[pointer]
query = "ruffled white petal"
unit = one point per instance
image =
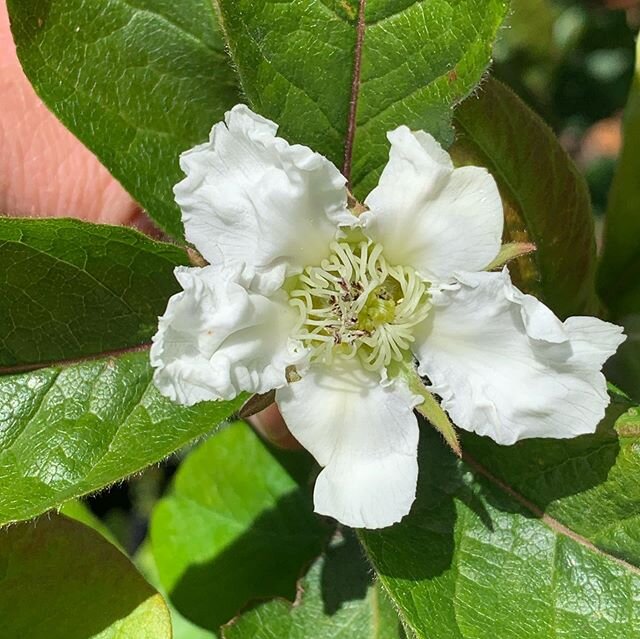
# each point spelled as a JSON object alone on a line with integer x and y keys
{"x": 505, "y": 366}
{"x": 217, "y": 339}
{"x": 250, "y": 197}
{"x": 365, "y": 435}
{"x": 430, "y": 216}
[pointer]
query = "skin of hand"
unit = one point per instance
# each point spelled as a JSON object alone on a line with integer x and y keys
{"x": 46, "y": 172}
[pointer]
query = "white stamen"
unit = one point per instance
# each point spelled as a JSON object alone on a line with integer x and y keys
{"x": 355, "y": 303}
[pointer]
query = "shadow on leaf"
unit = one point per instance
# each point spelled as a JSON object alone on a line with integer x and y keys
{"x": 264, "y": 562}
{"x": 540, "y": 470}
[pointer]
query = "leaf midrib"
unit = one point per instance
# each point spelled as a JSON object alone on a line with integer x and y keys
{"x": 65, "y": 363}
{"x": 556, "y": 526}
{"x": 355, "y": 92}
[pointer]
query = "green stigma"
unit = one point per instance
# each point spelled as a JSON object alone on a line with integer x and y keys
{"x": 380, "y": 308}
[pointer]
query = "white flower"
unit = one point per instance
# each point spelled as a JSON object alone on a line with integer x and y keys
{"x": 336, "y": 310}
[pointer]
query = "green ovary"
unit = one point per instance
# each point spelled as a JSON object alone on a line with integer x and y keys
{"x": 356, "y": 304}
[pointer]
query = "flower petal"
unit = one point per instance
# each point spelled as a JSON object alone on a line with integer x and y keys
{"x": 364, "y": 433}
{"x": 430, "y": 216}
{"x": 507, "y": 367}
{"x": 216, "y": 339}
{"x": 251, "y": 197}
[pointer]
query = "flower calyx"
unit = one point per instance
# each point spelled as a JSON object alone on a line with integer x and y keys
{"x": 429, "y": 408}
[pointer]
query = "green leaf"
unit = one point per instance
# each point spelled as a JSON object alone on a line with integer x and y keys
{"x": 236, "y": 527}
{"x": 67, "y": 431}
{"x": 138, "y": 81}
{"x": 182, "y": 628}
{"x": 619, "y": 276}
{"x": 143, "y": 559}
{"x": 545, "y": 197}
{"x": 338, "y": 75}
{"x": 545, "y": 544}
{"x": 589, "y": 484}
{"x": 335, "y": 600}
{"x": 60, "y": 580}
{"x": 78, "y": 510}
{"x": 71, "y": 289}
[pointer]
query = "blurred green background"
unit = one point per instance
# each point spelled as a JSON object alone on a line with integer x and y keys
{"x": 573, "y": 63}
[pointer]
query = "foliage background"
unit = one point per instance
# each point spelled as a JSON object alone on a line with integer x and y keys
{"x": 509, "y": 544}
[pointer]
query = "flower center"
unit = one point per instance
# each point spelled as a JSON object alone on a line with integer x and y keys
{"x": 355, "y": 303}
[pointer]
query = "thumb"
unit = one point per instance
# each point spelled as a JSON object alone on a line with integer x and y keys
{"x": 44, "y": 170}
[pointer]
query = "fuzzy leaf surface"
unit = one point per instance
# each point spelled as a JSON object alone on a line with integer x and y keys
{"x": 545, "y": 543}
{"x": 337, "y": 75}
{"x": 71, "y": 289}
{"x": 68, "y": 431}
